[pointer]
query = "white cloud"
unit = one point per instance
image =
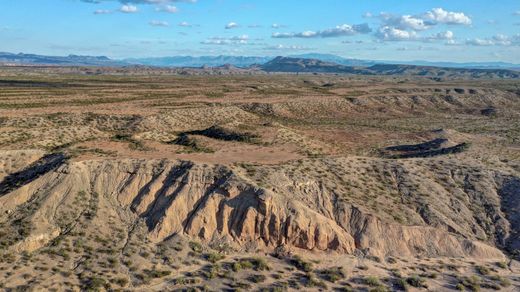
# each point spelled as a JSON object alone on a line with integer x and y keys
{"x": 102, "y": 11}
{"x": 185, "y": 24}
{"x": 439, "y": 15}
{"x": 159, "y": 23}
{"x": 277, "y": 26}
{"x": 282, "y": 35}
{"x": 243, "y": 37}
{"x": 497, "y": 40}
{"x": 516, "y": 13}
{"x": 231, "y": 25}
{"x": 389, "y": 33}
{"x": 406, "y": 27}
{"x": 286, "y": 48}
{"x": 447, "y": 35}
{"x": 338, "y": 31}
{"x": 403, "y": 22}
{"x": 479, "y": 42}
{"x": 167, "y": 8}
{"x": 128, "y": 9}
{"x": 236, "y": 40}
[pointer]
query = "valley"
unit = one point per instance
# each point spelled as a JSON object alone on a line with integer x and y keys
{"x": 150, "y": 179}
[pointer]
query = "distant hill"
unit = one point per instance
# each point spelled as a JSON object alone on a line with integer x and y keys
{"x": 335, "y": 59}
{"x": 301, "y": 65}
{"x": 70, "y": 60}
{"x": 469, "y": 65}
{"x": 306, "y": 63}
{"x": 190, "y": 61}
{"x": 440, "y": 72}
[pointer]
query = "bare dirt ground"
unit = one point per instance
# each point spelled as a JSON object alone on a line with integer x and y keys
{"x": 277, "y": 182}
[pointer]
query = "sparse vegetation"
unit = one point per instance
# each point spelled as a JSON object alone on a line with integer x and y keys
{"x": 221, "y": 183}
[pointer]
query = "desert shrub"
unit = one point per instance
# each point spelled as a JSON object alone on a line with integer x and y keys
{"x": 416, "y": 281}
{"x": 482, "y": 270}
{"x": 471, "y": 283}
{"x": 258, "y": 264}
{"x": 333, "y": 274}
{"x": 94, "y": 284}
{"x": 214, "y": 257}
{"x": 185, "y": 281}
{"x": 301, "y": 264}
{"x": 257, "y": 278}
{"x": 312, "y": 281}
{"x": 504, "y": 282}
{"x": 401, "y": 284}
{"x": 371, "y": 281}
{"x": 195, "y": 246}
{"x": 460, "y": 287}
{"x": 121, "y": 281}
{"x": 502, "y": 265}
{"x": 212, "y": 272}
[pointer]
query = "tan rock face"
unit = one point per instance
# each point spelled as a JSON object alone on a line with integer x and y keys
{"x": 213, "y": 202}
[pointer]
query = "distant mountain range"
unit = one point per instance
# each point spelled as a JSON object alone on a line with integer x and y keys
{"x": 306, "y": 63}
{"x": 70, "y": 60}
{"x": 215, "y": 61}
{"x": 302, "y": 65}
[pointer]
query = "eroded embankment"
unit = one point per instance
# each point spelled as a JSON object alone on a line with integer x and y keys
{"x": 216, "y": 203}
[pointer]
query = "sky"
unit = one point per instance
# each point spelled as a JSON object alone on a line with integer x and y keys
{"x": 399, "y": 30}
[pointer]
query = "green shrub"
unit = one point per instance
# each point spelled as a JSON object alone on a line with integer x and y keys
{"x": 214, "y": 257}
{"x": 371, "y": 281}
{"x": 195, "y": 246}
{"x": 301, "y": 264}
{"x": 333, "y": 274}
{"x": 401, "y": 284}
{"x": 416, "y": 281}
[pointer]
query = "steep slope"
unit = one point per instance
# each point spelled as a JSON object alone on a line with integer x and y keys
{"x": 215, "y": 203}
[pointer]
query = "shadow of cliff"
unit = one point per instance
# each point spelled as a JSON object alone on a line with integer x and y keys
{"x": 32, "y": 172}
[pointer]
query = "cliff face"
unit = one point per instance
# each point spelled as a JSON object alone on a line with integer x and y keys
{"x": 217, "y": 203}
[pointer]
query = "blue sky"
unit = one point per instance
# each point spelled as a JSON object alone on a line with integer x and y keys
{"x": 460, "y": 31}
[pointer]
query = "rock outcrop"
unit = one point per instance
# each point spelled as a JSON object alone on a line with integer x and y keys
{"x": 217, "y": 203}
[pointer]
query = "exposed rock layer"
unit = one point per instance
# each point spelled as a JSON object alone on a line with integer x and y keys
{"x": 215, "y": 203}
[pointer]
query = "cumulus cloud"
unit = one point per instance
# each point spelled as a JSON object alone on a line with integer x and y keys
{"x": 439, "y": 15}
{"x": 231, "y": 25}
{"x": 167, "y": 8}
{"x": 406, "y": 27}
{"x": 497, "y": 40}
{"x": 403, "y": 22}
{"x": 389, "y": 33}
{"x": 447, "y": 35}
{"x": 338, "y": 31}
{"x": 159, "y": 23}
{"x": 479, "y": 42}
{"x": 128, "y": 9}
